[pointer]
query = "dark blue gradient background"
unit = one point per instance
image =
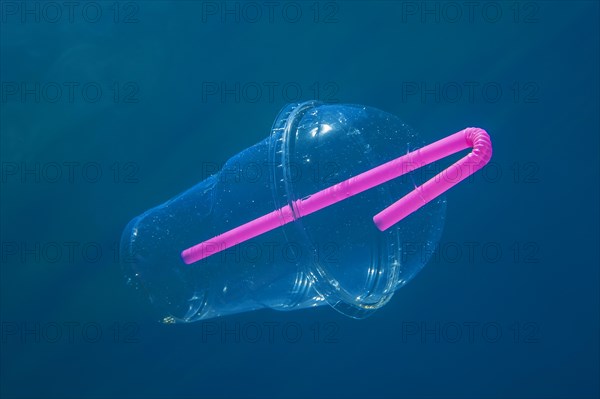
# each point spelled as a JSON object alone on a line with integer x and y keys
{"x": 542, "y": 211}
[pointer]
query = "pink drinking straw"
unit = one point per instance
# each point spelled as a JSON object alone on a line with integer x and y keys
{"x": 471, "y": 137}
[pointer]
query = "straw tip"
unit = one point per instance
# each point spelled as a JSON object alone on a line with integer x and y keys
{"x": 187, "y": 257}
{"x": 380, "y": 223}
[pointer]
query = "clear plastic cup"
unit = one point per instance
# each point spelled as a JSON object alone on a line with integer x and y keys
{"x": 336, "y": 255}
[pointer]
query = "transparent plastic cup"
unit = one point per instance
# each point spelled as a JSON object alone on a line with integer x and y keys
{"x": 336, "y": 255}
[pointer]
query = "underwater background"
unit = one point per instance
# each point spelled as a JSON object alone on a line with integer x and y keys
{"x": 110, "y": 108}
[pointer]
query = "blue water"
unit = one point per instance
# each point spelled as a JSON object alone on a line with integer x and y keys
{"x": 116, "y": 107}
